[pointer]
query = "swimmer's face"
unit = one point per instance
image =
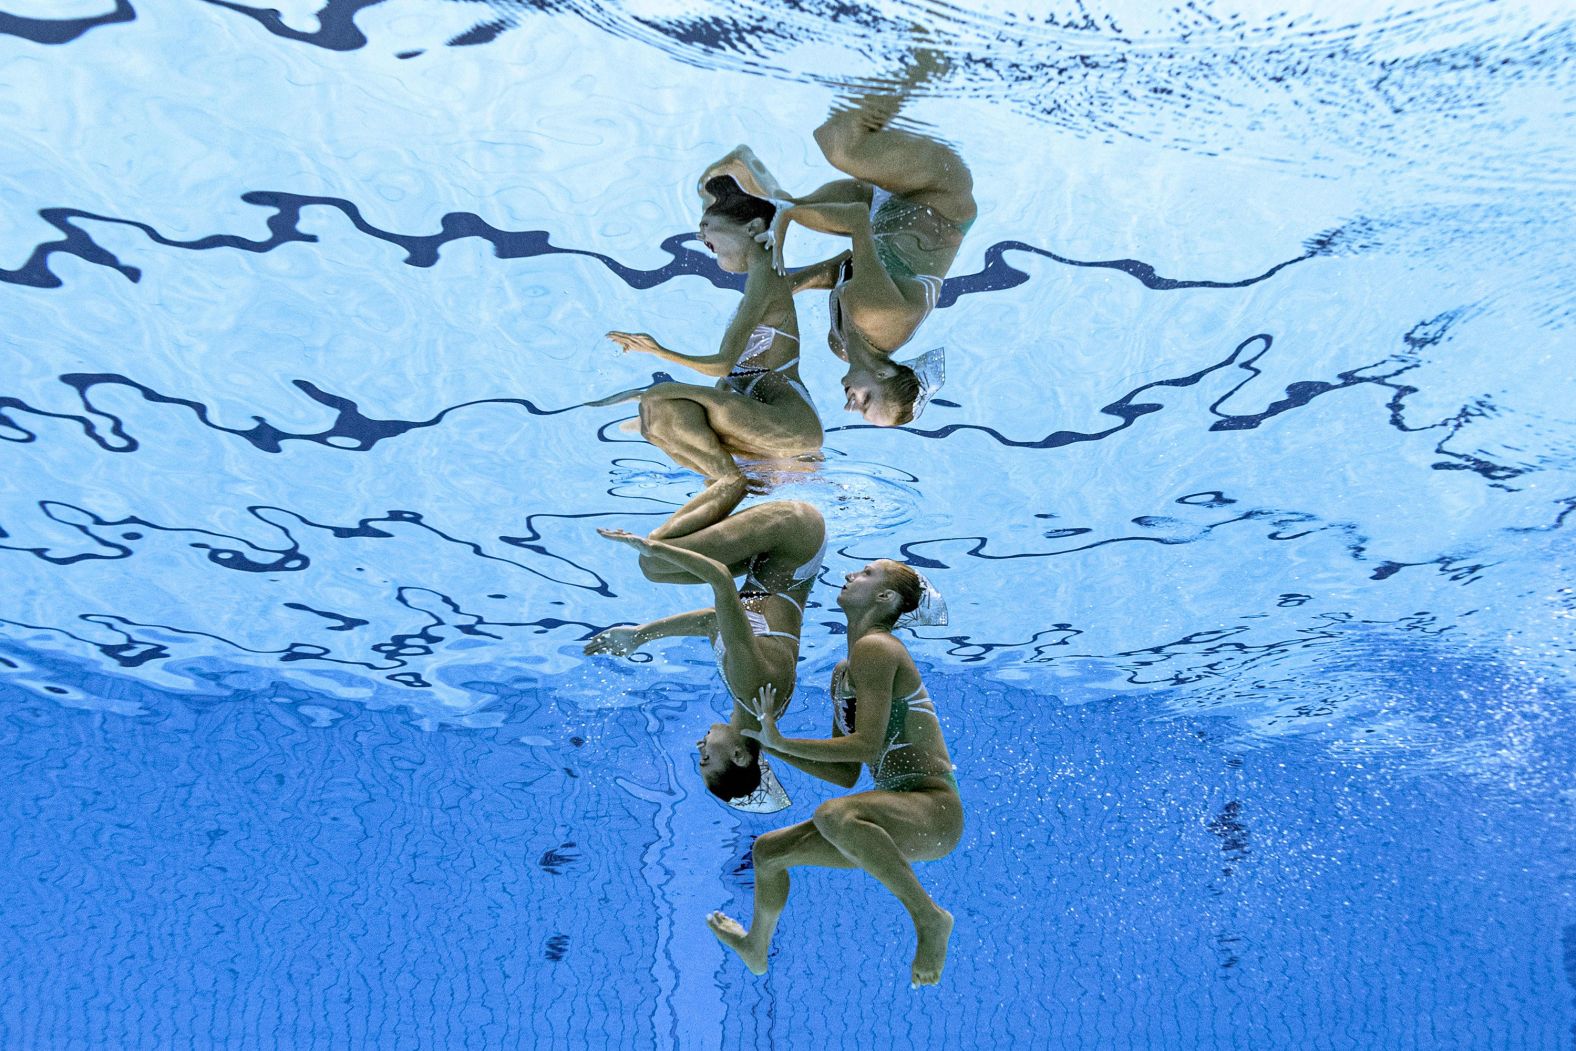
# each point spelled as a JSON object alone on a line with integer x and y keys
{"x": 866, "y": 393}
{"x": 867, "y": 587}
{"x": 723, "y": 746}
{"x": 732, "y": 243}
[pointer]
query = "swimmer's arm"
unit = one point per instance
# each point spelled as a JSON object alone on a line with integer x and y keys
{"x": 844, "y": 219}
{"x": 842, "y": 774}
{"x": 697, "y": 622}
{"x": 874, "y": 669}
{"x": 624, "y": 639}
{"x": 763, "y": 289}
{"x": 822, "y": 275}
{"x": 641, "y": 343}
{"x": 728, "y": 615}
{"x": 847, "y": 220}
{"x": 760, "y": 289}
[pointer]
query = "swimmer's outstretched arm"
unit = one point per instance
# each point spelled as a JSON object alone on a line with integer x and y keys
{"x": 761, "y": 287}
{"x": 732, "y": 623}
{"x": 838, "y": 191}
{"x": 625, "y": 639}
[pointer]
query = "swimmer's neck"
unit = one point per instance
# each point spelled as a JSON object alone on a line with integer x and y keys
{"x": 866, "y": 623}
{"x": 758, "y": 259}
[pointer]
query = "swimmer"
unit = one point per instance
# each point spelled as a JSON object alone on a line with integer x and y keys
{"x": 758, "y": 409}
{"x": 883, "y": 718}
{"x": 906, "y": 206}
{"x": 754, "y": 629}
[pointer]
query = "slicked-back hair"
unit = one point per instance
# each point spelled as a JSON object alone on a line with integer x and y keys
{"x": 733, "y": 780}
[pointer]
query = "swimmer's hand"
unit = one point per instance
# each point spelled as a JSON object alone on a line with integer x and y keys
{"x": 635, "y": 342}
{"x": 764, "y": 708}
{"x": 620, "y": 641}
{"x": 773, "y": 236}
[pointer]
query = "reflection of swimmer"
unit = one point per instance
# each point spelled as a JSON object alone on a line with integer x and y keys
{"x": 912, "y": 814}
{"x": 906, "y": 208}
{"x": 759, "y": 409}
{"x": 778, "y": 548}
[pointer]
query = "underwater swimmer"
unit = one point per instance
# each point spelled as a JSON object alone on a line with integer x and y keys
{"x": 758, "y": 409}
{"x": 777, "y": 547}
{"x": 883, "y": 718}
{"x": 906, "y": 206}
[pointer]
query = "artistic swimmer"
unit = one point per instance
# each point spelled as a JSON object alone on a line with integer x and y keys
{"x": 906, "y": 206}
{"x": 754, "y": 629}
{"x": 758, "y": 409}
{"x": 883, "y": 718}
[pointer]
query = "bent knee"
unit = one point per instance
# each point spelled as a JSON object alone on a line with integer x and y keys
{"x": 659, "y": 418}
{"x": 770, "y": 848}
{"x": 839, "y": 136}
{"x": 832, "y": 818}
{"x": 805, "y": 516}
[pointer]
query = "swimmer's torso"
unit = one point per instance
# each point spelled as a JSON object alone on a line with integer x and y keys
{"x": 913, "y": 744}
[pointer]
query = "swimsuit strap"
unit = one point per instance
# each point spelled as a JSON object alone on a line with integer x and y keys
{"x": 878, "y": 197}
{"x": 759, "y": 342}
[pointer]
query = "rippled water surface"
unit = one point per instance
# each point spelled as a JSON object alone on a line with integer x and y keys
{"x": 1251, "y": 491}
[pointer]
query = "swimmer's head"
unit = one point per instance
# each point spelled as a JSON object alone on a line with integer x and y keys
{"x": 890, "y": 588}
{"x": 729, "y": 762}
{"x": 884, "y": 395}
{"x": 729, "y": 225}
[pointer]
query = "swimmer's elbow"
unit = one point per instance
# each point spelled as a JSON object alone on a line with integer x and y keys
{"x": 865, "y": 754}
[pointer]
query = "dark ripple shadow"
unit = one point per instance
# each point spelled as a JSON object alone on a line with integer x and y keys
{"x": 245, "y": 556}
{"x": 1128, "y": 409}
{"x": 337, "y": 29}
{"x": 422, "y": 250}
{"x": 351, "y": 431}
{"x": 997, "y": 274}
{"x": 62, "y": 30}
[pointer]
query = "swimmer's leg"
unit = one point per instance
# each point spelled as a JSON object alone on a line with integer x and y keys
{"x": 680, "y": 427}
{"x": 882, "y": 832}
{"x": 788, "y": 533}
{"x": 859, "y": 142}
{"x": 774, "y": 854}
{"x": 633, "y": 394}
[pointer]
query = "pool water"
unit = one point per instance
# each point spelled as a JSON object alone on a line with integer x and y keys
{"x": 1250, "y": 491}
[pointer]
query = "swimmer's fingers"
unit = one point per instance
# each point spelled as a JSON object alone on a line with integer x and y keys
{"x": 618, "y": 642}
{"x": 749, "y": 706}
{"x": 765, "y": 709}
{"x": 777, "y": 234}
{"x": 633, "y": 342}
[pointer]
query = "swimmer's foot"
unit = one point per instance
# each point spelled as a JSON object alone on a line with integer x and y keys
{"x": 931, "y": 955}
{"x": 735, "y": 937}
{"x": 617, "y": 399}
{"x": 624, "y": 536}
{"x": 746, "y": 169}
{"x": 924, "y": 65}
